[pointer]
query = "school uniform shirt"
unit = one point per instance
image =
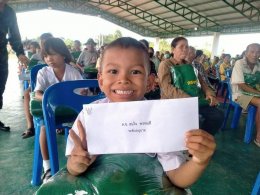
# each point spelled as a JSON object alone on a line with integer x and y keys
{"x": 237, "y": 76}
{"x": 169, "y": 161}
{"x": 46, "y": 77}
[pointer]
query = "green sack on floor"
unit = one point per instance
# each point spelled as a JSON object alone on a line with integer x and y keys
{"x": 118, "y": 174}
{"x": 184, "y": 78}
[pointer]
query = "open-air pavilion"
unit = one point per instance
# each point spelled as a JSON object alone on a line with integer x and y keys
{"x": 164, "y": 18}
{"x": 235, "y": 165}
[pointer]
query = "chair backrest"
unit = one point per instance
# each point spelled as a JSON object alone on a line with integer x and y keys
{"x": 63, "y": 95}
{"x": 33, "y": 74}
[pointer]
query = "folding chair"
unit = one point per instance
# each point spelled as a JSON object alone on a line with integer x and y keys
{"x": 37, "y": 157}
{"x": 63, "y": 95}
{"x": 250, "y": 121}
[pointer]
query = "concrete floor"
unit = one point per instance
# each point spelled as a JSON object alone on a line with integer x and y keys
{"x": 231, "y": 172}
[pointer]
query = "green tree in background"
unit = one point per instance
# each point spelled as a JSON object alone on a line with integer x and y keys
{"x": 163, "y": 45}
{"x": 69, "y": 43}
{"x": 111, "y": 37}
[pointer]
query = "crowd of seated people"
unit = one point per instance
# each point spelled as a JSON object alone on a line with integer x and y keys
{"x": 192, "y": 65}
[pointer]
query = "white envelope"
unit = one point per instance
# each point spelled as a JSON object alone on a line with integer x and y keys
{"x": 151, "y": 126}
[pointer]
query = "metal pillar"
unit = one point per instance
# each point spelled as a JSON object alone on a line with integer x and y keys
{"x": 215, "y": 44}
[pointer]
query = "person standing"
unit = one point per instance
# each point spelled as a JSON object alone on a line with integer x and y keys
{"x": 9, "y": 26}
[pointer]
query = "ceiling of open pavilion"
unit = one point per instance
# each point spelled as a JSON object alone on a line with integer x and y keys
{"x": 162, "y": 18}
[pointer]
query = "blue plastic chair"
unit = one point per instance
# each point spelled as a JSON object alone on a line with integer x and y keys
{"x": 250, "y": 124}
{"x": 256, "y": 188}
{"x": 237, "y": 109}
{"x": 63, "y": 94}
{"x": 250, "y": 121}
{"x": 37, "y": 157}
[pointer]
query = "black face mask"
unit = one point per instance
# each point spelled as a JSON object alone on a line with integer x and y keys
{"x": 150, "y": 55}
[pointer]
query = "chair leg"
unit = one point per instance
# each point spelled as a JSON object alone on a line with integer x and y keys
{"x": 67, "y": 129}
{"x": 250, "y": 121}
{"x": 226, "y": 98}
{"x": 52, "y": 148}
{"x": 236, "y": 117}
{"x": 256, "y": 188}
{"x": 37, "y": 159}
{"x": 226, "y": 117}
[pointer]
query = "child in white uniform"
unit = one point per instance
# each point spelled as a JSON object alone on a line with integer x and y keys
{"x": 57, "y": 56}
{"x": 124, "y": 76}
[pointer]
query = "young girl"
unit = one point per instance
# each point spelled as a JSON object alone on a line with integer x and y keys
{"x": 57, "y": 56}
{"x": 124, "y": 76}
{"x": 178, "y": 80}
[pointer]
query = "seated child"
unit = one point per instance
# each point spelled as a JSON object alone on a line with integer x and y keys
{"x": 124, "y": 76}
{"x": 57, "y": 56}
{"x": 35, "y": 59}
{"x": 177, "y": 79}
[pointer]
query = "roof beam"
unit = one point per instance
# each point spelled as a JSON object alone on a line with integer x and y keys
{"x": 82, "y": 7}
{"x": 153, "y": 19}
{"x": 187, "y": 13}
{"x": 245, "y": 8}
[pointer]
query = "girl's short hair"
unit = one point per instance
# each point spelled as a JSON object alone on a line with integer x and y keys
{"x": 58, "y": 46}
{"x": 176, "y": 40}
{"x": 125, "y": 43}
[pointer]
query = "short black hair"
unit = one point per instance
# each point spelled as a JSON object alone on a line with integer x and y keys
{"x": 45, "y": 36}
{"x": 125, "y": 43}
{"x": 35, "y": 44}
{"x": 199, "y": 53}
{"x": 56, "y": 45}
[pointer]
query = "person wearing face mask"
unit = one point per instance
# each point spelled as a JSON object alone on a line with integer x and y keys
{"x": 9, "y": 26}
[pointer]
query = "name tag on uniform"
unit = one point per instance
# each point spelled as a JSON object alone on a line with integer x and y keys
{"x": 151, "y": 126}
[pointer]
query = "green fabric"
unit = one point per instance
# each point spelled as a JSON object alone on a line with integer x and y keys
{"x": 62, "y": 114}
{"x": 75, "y": 55}
{"x": 184, "y": 78}
{"x": 91, "y": 69}
{"x": 32, "y": 63}
{"x": 253, "y": 80}
{"x": 117, "y": 174}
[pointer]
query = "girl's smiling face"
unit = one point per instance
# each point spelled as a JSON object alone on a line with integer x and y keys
{"x": 124, "y": 74}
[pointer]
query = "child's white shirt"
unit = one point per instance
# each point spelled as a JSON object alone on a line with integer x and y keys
{"x": 46, "y": 77}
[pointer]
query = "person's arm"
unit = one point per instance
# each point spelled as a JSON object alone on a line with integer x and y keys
{"x": 165, "y": 83}
{"x": 39, "y": 95}
{"x": 247, "y": 88}
{"x": 15, "y": 39}
{"x": 201, "y": 145}
{"x": 210, "y": 95}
